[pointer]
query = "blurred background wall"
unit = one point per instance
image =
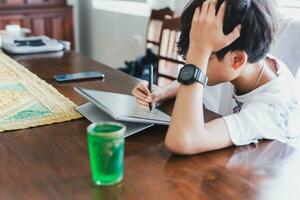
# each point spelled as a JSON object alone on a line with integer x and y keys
{"x": 112, "y": 31}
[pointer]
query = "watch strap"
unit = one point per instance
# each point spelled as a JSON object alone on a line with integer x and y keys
{"x": 201, "y": 77}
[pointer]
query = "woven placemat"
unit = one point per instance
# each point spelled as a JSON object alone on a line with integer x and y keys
{"x": 27, "y": 101}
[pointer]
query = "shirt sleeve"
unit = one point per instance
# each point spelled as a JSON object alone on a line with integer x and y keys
{"x": 257, "y": 121}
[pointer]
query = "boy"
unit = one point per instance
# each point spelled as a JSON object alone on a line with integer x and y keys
{"x": 228, "y": 41}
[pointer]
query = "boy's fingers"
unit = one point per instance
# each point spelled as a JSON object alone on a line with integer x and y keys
{"x": 155, "y": 96}
{"x": 212, "y": 9}
{"x": 143, "y": 91}
{"x": 136, "y": 92}
{"x": 143, "y": 84}
{"x": 143, "y": 87}
{"x": 139, "y": 95}
{"x": 221, "y": 12}
{"x": 204, "y": 9}
{"x": 143, "y": 103}
{"x": 196, "y": 14}
{"x": 149, "y": 99}
{"x": 231, "y": 37}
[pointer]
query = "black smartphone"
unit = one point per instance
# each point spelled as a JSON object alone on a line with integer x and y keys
{"x": 79, "y": 76}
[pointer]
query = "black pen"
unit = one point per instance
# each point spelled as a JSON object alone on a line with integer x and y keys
{"x": 150, "y": 83}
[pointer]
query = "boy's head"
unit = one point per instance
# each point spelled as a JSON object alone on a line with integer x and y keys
{"x": 259, "y": 25}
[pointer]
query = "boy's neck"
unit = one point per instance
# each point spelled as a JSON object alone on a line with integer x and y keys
{"x": 245, "y": 83}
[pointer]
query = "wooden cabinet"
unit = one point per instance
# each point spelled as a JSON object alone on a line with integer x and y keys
{"x": 45, "y": 2}
{"x": 9, "y": 3}
{"x": 28, "y": 3}
{"x": 53, "y": 18}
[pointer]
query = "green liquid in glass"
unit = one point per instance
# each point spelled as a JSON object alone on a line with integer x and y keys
{"x": 106, "y": 153}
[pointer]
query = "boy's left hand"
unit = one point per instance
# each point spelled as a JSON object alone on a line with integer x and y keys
{"x": 207, "y": 30}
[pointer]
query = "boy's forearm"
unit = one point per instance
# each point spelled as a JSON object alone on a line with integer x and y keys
{"x": 170, "y": 90}
{"x": 187, "y": 124}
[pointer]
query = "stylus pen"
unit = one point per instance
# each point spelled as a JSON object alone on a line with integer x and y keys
{"x": 150, "y": 83}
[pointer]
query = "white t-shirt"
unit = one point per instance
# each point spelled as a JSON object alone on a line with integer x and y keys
{"x": 271, "y": 111}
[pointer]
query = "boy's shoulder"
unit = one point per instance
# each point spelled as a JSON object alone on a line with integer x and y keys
{"x": 269, "y": 112}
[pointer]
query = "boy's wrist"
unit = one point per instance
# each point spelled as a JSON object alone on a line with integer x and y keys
{"x": 163, "y": 94}
{"x": 168, "y": 92}
{"x": 199, "y": 58}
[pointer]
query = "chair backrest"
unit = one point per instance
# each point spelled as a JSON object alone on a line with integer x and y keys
{"x": 169, "y": 62}
{"x": 155, "y": 25}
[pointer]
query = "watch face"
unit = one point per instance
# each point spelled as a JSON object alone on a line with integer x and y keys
{"x": 187, "y": 73}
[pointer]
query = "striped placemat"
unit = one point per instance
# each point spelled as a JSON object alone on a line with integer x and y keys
{"x": 27, "y": 101}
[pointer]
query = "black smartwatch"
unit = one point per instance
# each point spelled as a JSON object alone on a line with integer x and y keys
{"x": 189, "y": 74}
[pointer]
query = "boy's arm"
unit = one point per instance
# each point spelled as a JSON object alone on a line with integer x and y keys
{"x": 170, "y": 91}
{"x": 188, "y": 133}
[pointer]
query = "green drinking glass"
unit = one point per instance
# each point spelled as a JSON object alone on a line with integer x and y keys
{"x": 106, "y": 150}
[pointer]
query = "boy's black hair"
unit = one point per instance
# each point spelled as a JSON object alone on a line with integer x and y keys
{"x": 258, "y": 20}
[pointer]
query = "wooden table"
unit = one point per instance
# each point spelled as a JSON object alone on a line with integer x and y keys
{"x": 51, "y": 162}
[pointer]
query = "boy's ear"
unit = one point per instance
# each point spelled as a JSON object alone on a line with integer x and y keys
{"x": 238, "y": 59}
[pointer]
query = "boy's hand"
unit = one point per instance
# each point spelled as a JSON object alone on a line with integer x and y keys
{"x": 143, "y": 95}
{"x": 207, "y": 30}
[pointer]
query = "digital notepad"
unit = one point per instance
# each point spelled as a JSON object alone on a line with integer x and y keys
{"x": 124, "y": 107}
{"x": 95, "y": 114}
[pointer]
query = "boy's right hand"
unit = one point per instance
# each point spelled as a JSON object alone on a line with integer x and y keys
{"x": 143, "y": 95}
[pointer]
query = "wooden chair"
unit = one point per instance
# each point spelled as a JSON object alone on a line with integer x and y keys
{"x": 169, "y": 62}
{"x": 152, "y": 37}
{"x": 154, "y": 27}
